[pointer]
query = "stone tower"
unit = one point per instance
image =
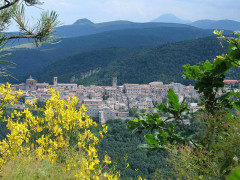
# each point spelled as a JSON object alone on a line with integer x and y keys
{"x": 102, "y": 119}
{"x": 114, "y": 81}
{"x": 31, "y": 84}
{"x": 55, "y": 81}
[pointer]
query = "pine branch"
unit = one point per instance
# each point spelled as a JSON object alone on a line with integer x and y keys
{"x": 9, "y": 4}
{"x": 24, "y": 36}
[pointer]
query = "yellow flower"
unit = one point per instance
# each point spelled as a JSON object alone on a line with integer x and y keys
{"x": 57, "y": 130}
{"x": 101, "y": 134}
{"x": 91, "y": 166}
{"x": 107, "y": 159}
{"x": 60, "y": 125}
{"x": 105, "y": 129}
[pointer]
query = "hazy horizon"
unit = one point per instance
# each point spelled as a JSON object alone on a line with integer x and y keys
{"x": 137, "y": 10}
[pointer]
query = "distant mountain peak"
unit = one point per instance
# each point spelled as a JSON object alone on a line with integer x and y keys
{"x": 217, "y": 24}
{"x": 84, "y": 21}
{"x": 170, "y": 18}
{"x": 168, "y": 15}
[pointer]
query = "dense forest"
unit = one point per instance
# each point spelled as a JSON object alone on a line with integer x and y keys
{"x": 119, "y": 142}
{"x": 30, "y": 59}
{"x": 143, "y": 65}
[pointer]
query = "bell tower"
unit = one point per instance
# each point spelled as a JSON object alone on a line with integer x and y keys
{"x": 114, "y": 82}
{"x": 55, "y": 81}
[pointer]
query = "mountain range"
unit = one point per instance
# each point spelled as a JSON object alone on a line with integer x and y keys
{"x": 217, "y": 24}
{"x": 30, "y": 59}
{"x": 102, "y": 46}
{"x": 83, "y": 27}
{"x": 158, "y": 63}
{"x": 204, "y": 24}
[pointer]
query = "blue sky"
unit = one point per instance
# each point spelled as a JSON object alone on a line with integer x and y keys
{"x": 139, "y": 10}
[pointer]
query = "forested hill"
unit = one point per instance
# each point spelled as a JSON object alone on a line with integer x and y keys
{"x": 217, "y": 24}
{"x": 30, "y": 60}
{"x": 160, "y": 63}
{"x": 81, "y": 63}
{"x": 83, "y": 27}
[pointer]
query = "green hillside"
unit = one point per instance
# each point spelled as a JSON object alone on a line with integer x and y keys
{"x": 29, "y": 59}
{"x": 160, "y": 63}
{"x": 81, "y": 63}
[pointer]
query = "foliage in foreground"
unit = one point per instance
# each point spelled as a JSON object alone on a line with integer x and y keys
{"x": 210, "y": 149}
{"x": 60, "y": 135}
{"x": 235, "y": 174}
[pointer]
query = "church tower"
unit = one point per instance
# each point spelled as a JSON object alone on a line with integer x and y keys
{"x": 114, "y": 81}
{"x": 55, "y": 81}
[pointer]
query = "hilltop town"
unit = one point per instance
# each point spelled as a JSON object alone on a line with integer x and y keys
{"x": 109, "y": 102}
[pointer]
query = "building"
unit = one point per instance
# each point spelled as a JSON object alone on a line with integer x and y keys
{"x": 110, "y": 102}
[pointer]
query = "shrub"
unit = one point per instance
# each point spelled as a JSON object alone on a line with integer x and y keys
{"x": 60, "y": 134}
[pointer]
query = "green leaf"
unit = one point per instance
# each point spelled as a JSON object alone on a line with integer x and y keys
{"x": 162, "y": 107}
{"x": 234, "y": 175}
{"x": 207, "y": 66}
{"x": 172, "y": 96}
{"x": 192, "y": 72}
{"x": 171, "y": 127}
{"x": 237, "y": 33}
{"x": 160, "y": 122}
{"x": 173, "y": 99}
{"x": 150, "y": 139}
{"x": 161, "y": 137}
{"x": 237, "y": 105}
{"x": 150, "y": 119}
{"x": 133, "y": 124}
{"x": 217, "y": 32}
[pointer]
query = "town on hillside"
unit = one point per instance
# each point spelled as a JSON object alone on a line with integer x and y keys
{"x": 111, "y": 102}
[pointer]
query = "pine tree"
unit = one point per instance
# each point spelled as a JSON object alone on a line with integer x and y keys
{"x": 14, "y": 11}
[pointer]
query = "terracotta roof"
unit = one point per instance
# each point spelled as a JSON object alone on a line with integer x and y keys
{"x": 230, "y": 81}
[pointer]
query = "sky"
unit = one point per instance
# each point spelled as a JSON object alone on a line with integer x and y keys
{"x": 137, "y": 10}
